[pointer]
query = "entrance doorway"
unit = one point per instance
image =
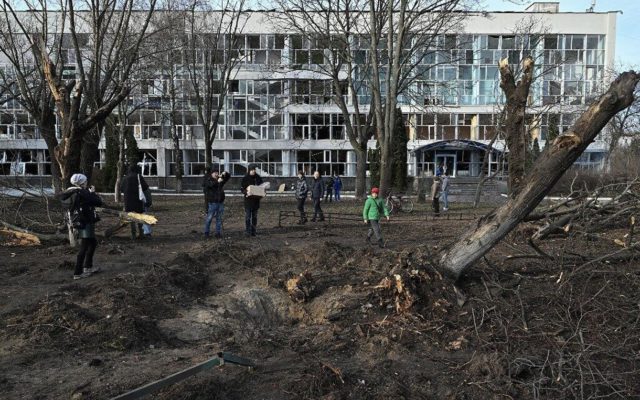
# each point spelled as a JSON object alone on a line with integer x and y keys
{"x": 448, "y": 163}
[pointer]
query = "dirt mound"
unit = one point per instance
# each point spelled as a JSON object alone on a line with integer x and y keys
{"x": 118, "y": 314}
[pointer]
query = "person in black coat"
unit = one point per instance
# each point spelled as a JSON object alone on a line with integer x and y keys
{"x": 81, "y": 203}
{"x": 317, "y": 190}
{"x": 251, "y": 203}
{"x": 132, "y": 202}
{"x": 214, "y": 196}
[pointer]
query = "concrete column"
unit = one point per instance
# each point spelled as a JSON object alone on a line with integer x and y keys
{"x": 286, "y": 163}
{"x": 161, "y": 161}
{"x": 351, "y": 163}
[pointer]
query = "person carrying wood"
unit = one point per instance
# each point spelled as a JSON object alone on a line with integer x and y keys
{"x": 251, "y": 202}
{"x": 81, "y": 202}
{"x": 137, "y": 198}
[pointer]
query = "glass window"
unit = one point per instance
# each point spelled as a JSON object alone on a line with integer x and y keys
{"x": 508, "y": 42}
{"x": 493, "y": 42}
{"x": 577, "y": 42}
{"x": 253, "y": 41}
{"x": 551, "y": 42}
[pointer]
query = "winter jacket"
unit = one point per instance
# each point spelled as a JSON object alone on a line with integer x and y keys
{"x": 132, "y": 202}
{"x": 373, "y": 208}
{"x": 301, "y": 188}
{"x": 251, "y": 202}
{"x": 337, "y": 183}
{"x": 85, "y": 201}
{"x": 435, "y": 189}
{"x": 329, "y": 185}
{"x": 317, "y": 188}
{"x": 214, "y": 190}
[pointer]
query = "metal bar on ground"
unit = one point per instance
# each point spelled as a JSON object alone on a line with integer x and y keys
{"x": 147, "y": 389}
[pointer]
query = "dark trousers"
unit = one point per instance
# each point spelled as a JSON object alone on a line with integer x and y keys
{"x": 329, "y": 195}
{"x": 436, "y": 205}
{"x": 85, "y": 255}
{"x": 317, "y": 210}
{"x": 136, "y": 230}
{"x": 303, "y": 215}
{"x": 374, "y": 229}
{"x": 250, "y": 220}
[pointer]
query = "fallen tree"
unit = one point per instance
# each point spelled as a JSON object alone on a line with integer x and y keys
{"x": 549, "y": 167}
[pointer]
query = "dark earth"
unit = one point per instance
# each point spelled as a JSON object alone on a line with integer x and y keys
{"x": 371, "y": 324}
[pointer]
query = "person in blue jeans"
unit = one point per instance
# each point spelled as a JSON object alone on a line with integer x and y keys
{"x": 251, "y": 203}
{"x": 337, "y": 186}
{"x": 214, "y": 194}
{"x": 445, "y": 191}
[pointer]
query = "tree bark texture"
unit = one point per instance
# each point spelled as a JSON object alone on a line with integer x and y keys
{"x": 516, "y": 135}
{"x": 549, "y": 167}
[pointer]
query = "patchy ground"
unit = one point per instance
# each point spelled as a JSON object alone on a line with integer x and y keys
{"x": 363, "y": 323}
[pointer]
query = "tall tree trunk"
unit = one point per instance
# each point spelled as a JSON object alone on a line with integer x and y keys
{"x": 176, "y": 140}
{"x": 47, "y": 128}
{"x": 386, "y": 168}
{"x": 208, "y": 145}
{"x": 516, "y": 136}
{"x": 90, "y": 152}
{"x": 121, "y": 152}
{"x": 361, "y": 171}
{"x": 549, "y": 167}
{"x": 177, "y": 152}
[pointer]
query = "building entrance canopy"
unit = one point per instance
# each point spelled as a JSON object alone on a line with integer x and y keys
{"x": 455, "y": 157}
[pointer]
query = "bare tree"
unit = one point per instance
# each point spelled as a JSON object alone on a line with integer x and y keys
{"x": 623, "y": 126}
{"x": 102, "y": 46}
{"x": 400, "y": 32}
{"x": 169, "y": 41}
{"x": 336, "y": 28}
{"x": 25, "y": 81}
{"x": 214, "y": 49}
{"x": 549, "y": 167}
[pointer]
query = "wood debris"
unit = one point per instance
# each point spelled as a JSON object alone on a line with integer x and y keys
{"x": 301, "y": 287}
{"x": 10, "y": 237}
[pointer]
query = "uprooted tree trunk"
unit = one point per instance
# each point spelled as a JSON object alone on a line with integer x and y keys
{"x": 549, "y": 167}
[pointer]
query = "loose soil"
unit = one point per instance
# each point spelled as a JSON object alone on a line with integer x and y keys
{"x": 363, "y": 322}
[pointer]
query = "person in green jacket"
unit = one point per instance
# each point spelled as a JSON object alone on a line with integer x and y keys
{"x": 373, "y": 210}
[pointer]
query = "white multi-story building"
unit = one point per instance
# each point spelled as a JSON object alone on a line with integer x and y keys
{"x": 283, "y": 117}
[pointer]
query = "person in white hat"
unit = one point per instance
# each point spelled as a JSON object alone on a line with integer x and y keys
{"x": 81, "y": 202}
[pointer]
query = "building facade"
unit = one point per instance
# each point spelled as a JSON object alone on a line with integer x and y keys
{"x": 279, "y": 111}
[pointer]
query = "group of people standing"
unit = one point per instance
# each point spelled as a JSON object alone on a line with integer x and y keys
{"x": 213, "y": 188}
{"x": 82, "y": 201}
{"x": 318, "y": 188}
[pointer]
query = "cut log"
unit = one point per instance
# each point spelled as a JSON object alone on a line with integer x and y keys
{"x": 549, "y": 167}
{"x": 41, "y": 236}
{"x": 10, "y": 237}
{"x": 130, "y": 216}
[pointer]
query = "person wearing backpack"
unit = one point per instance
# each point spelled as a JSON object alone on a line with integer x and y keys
{"x": 81, "y": 202}
{"x": 374, "y": 208}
